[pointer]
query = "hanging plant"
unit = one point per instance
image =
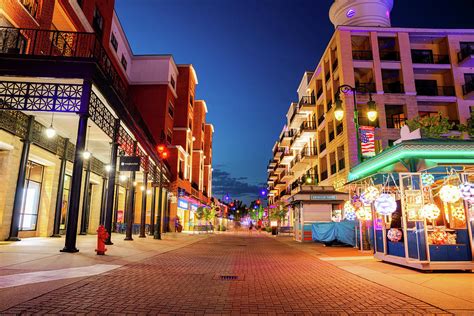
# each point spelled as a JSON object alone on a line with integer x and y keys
{"x": 430, "y": 126}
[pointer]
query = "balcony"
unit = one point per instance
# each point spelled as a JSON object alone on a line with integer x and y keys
{"x": 365, "y": 87}
{"x": 394, "y": 87}
{"x": 286, "y": 137}
{"x": 389, "y": 55}
{"x": 446, "y": 91}
{"x": 308, "y": 152}
{"x": 362, "y": 55}
{"x": 308, "y": 126}
{"x": 427, "y": 57}
{"x": 287, "y": 176}
{"x": 306, "y": 103}
{"x": 395, "y": 122}
{"x": 468, "y": 90}
{"x": 466, "y": 57}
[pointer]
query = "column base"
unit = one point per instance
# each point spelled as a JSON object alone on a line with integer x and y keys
{"x": 13, "y": 239}
{"x": 144, "y": 236}
{"x": 55, "y": 235}
{"x": 108, "y": 243}
{"x": 128, "y": 238}
{"x": 82, "y": 234}
{"x": 157, "y": 237}
{"x": 65, "y": 249}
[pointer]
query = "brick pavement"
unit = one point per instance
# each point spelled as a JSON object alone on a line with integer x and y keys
{"x": 273, "y": 278}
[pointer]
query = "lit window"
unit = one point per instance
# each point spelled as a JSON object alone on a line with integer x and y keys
{"x": 29, "y": 212}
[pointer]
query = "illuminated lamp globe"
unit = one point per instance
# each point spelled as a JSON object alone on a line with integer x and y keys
{"x": 108, "y": 168}
{"x": 142, "y": 188}
{"x": 372, "y": 112}
{"x": 385, "y": 204}
{"x": 86, "y": 155}
{"x": 50, "y": 132}
{"x": 348, "y": 207}
{"x": 449, "y": 194}
{"x": 430, "y": 211}
{"x": 309, "y": 180}
{"x": 148, "y": 191}
{"x": 338, "y": 110}
{"x": 122, "y": 178}
{"x": 467, "y": 191}
{"x": 370, "y": 195}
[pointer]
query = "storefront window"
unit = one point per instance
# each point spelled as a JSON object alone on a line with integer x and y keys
{"x": 66, "y": 188}
{"x": 31, "y": 198}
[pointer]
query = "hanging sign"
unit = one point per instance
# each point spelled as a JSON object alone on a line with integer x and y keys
{"x": 183, "y": 204}
{"x": 367, "y": 141}
{"x": 322, "y": 197}
{"x": 129, "y": 163}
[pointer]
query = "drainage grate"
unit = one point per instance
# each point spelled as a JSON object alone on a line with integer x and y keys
{"x": 229, "y": 277}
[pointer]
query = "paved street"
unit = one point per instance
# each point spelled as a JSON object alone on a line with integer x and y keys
{"x": 226, "y": 274}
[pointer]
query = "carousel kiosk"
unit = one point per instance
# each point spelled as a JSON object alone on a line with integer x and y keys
{"x": 421, "y": 196}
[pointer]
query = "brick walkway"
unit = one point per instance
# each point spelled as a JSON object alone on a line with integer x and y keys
{"x": 273, "y": 278}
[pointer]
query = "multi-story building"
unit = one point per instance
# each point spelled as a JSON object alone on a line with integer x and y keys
{"x": 408, "y": 72}
{"x": 74, "y": 100}
{"x": 207, "y": 178}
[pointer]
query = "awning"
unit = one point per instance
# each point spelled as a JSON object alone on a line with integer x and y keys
{"x": 416, "y": 155}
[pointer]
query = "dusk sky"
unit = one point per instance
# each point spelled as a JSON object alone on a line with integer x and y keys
{"x": 249, "y": 56}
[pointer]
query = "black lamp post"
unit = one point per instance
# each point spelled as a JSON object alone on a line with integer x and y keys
{"x": 339, "y": 111}
{"x": 372, "y": 116}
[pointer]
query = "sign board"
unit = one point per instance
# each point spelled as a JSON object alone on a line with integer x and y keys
{"x": 183, "y": 204}
{"x": 322, "y": 197}
{"x": 194, "y": 207}
{"x": 129, "y": 163}
{"x": 367, "y": 141}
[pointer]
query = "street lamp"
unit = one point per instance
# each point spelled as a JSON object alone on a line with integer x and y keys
{"x": 339, "y": 111}
{"x": 163, "y": 153}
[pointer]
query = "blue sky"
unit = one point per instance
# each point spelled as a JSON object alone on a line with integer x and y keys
{"x": 249, "y": 56}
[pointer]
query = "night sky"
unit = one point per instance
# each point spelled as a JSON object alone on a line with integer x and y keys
{"x": 249, "y": 56}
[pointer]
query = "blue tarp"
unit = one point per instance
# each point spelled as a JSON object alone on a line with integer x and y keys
{"x": 343, "y": 232}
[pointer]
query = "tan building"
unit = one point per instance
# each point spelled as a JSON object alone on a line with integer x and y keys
{"x": 408, "y": 72}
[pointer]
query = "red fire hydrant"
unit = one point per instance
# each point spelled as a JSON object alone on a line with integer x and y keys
{"x": 102, "y": 236}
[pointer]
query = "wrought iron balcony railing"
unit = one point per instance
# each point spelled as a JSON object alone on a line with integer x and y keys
{"x": 309, "y": 152}
{"x": 394, "y": 87}
{"x": 362, "y": 55}
{"x": 52, "y": 43}
{"x": 365, "y": 87}
{"x": 307, "y": 100}
{"x": 308, "y": 125}
{"x": 421, "y": 57}
{"x": 435, "y": 90}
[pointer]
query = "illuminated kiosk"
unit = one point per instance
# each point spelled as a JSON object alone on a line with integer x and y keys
{"x": 430, "y": 226}
{"x": 313, "y": 204}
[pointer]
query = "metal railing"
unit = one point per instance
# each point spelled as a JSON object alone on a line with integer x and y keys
{"x": 421, "y": 58}
{"x": 435, "y": 90}
{"x": 465, "y": 53}
{"x": 307, "y": 100}
{"x": 365, "y": 87}
{"x": 308, "y": 125}
{"x": 362, "y": 55}
{"x": 389, "y": 55}
{"x": 52, "y": 43}
{"x": 395, "y": 122}
{"x": 395, "y": 87}
{"x": 309, "y": 152}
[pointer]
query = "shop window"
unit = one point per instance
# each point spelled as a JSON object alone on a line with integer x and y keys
{"x": 114, "y": 42}
{"x": 124, "y": 62}
{"x": 395, "y": 115}
{"x": 31, "y": 198}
